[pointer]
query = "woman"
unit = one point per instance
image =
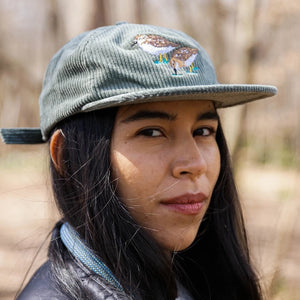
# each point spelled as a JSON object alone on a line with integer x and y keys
{"x": 141, "y": 171}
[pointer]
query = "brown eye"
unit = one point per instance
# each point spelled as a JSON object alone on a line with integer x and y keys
{"x": 150, "y": 132}
{"x": 203, "y": 131}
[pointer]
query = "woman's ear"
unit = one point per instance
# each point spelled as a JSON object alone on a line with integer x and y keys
{"x": 56, "y": 146}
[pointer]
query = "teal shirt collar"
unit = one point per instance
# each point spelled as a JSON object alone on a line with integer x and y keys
{"x": 80, "y": 250}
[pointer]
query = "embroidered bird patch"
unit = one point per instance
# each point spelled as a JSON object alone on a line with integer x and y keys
{"x": 184, "y": 57}
{"x": 155, "y": 45}
{"x": 180, "y": 56}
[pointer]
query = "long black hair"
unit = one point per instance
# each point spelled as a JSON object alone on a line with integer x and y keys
{"x": 215, "y": 266}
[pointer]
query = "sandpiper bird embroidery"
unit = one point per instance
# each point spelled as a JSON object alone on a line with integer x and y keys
{"x": 155, "y": 45}
{"x": 183, "y": 57}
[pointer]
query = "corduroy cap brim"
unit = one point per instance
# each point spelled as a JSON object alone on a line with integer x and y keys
{"x": 127, "y": 64}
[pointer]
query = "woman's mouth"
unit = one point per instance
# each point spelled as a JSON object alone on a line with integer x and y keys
{"x": 189, "y": 204}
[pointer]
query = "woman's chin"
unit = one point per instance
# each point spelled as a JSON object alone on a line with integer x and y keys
{"x": 178, "y": 244}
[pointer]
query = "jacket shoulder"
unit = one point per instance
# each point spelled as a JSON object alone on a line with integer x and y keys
{"x": 42, "y": 286}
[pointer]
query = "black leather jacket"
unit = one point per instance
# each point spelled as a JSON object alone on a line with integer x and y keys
{"x": 43, "y": 286}
{"x": 92, "y": 286}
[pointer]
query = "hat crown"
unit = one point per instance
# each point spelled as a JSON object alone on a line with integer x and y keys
{"x": 120, "y": 60}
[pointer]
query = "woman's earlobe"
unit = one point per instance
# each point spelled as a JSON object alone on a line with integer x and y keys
{"x": 56, "y": 146}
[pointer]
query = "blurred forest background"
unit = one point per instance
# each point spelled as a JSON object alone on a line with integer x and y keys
{"x": 252, "y": 41}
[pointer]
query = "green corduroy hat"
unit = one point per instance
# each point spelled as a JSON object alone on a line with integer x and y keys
{"x": 128, "y": 64}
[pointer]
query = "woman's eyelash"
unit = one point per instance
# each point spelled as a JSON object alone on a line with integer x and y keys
{"x": 204, "y": 131}
{"x": 150, "y": 132}
{"x": 156, "y": 132}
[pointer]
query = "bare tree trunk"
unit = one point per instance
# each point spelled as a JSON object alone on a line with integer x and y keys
{"x": 245, "y": 35}
{"x": 139, "y": 11}
{"x": 100, "y": 17}
{"x": 218, "y": 43}
{"x": 187, "y": 24}
{"x": 57, "y": 32}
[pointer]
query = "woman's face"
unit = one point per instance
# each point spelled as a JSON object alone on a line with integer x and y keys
{"x": 166, "y": 161}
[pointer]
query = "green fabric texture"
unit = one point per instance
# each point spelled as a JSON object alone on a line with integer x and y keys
{"x": 130, "y": 63}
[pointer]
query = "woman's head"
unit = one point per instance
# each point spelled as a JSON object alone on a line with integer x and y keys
{"x": 163, "y": 163}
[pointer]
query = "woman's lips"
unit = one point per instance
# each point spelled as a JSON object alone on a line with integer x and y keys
{"x": 189, "y": 204}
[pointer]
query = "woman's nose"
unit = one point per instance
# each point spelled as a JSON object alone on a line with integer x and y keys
{"x": 189, "y": 161}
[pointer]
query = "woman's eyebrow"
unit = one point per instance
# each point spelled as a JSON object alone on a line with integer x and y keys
{"x": 149, "y": 114}
{"x": 210, "y": 115}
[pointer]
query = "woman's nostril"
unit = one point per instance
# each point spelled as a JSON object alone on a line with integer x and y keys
{"x": 183, "y": 172}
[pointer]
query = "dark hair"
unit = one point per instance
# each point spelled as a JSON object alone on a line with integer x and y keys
{"x": 216, "y": 266}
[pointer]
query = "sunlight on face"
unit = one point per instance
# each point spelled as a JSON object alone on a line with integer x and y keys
{"x": 166, "y": 161}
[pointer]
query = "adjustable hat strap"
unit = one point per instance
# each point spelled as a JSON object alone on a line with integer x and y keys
{"x": 21, "y": 135}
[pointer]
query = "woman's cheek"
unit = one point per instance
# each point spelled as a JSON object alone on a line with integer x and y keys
{"x": 213, "y": 159}
{"x": 125, "y": 173}
{"x": 216, "y": 163}
{"x": 120, "y": 166}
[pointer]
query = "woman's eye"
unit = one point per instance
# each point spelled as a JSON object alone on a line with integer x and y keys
{"x": 151, "y": 132}
{"x": 204, "y": 131}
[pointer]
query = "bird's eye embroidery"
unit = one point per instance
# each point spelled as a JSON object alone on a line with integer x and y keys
{"x": 179, "y": 57}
